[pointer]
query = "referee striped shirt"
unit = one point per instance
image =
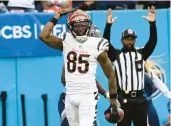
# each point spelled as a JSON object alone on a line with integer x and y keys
{"x": 129, "y": 63}
{"x": 129, "y": 70}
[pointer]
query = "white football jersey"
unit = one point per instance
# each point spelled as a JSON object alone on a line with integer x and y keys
{"x": 81, "y": 62}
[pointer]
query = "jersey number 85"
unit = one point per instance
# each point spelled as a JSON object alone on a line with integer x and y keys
{"x": 72, "y": 64}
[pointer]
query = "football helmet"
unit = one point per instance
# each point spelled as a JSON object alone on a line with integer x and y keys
{"x": 79, "y": 24}
{"x": 94, "y": 32}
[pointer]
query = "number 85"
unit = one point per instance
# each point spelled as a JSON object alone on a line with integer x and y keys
{"x": 72, "y": 62}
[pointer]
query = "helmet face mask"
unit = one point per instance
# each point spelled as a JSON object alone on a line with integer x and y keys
{"x": 80, "y": 28}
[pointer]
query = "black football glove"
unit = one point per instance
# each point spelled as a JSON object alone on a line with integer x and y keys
{"x": 62, "y": 13}
{"x": 114, "y": 114}
{"x": 112, "y": 111}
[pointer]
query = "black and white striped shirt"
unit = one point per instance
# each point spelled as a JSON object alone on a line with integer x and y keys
{"x": 129, "y": 70}
{"x": 129, "y": 63}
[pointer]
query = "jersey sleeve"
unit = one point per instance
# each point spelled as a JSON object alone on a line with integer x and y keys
{"x": 102, "y": 46}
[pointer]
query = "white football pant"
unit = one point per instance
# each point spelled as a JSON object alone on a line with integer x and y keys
{"x": 81, "y": 109}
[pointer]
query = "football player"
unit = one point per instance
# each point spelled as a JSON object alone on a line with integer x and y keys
{"x": 94, "y": 32}
{"x": 81, "y": 54}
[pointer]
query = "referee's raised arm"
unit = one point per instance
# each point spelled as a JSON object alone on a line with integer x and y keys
{"x": 151, "y": 44}
{"x": 112, "y": 51}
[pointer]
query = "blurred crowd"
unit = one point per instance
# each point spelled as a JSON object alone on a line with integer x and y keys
{"x": 22, "y": 6}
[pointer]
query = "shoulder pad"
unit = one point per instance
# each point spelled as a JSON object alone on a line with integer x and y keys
{"x": 103, "y": 44}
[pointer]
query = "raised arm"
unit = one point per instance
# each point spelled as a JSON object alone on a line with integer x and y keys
{"x": 112, "y": 51}
{"x": 108, "y": 71}
{"x": 151, "y": 44}
{"x": 50, "y": 40}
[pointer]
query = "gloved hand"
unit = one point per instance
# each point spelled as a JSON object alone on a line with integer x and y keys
{"x": 62, "y": 13}
{"x": 114, "y": 114}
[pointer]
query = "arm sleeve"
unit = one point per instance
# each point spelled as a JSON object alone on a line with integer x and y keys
{"x": 151, "y": 44}
{"x": 112, "y": 51}
{"x": 161, "y": 86}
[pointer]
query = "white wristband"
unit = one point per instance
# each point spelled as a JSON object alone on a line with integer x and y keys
{"x": 107, "y": 96}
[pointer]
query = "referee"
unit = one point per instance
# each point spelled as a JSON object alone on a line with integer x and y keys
{"x": 129, "y": 69}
